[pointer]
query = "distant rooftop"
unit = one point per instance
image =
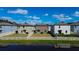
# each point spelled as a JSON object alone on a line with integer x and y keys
{"x": 6, "y": 22}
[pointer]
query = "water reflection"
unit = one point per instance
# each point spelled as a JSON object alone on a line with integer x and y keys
{"x": 38, "y": 47}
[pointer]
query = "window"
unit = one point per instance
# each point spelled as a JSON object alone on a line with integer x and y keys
{"x": 66, "y": 31}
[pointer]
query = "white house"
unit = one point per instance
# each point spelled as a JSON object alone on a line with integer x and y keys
{"x": 75, "y": 28}
{"x": 62, "y": 28}
{"x": 25, "y": 28}
{"x": 7, "y": 27}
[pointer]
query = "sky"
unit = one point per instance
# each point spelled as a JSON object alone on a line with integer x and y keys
{"x": 40, "y": 15}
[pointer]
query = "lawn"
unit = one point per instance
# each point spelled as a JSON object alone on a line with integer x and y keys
{"x": 41, "y": 41}
{"x": 17, "y": 35}
{"x": 41, "y": 35}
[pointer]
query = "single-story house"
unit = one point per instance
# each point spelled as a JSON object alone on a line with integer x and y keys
{"x": 43, "y": 28}
{"x": 7, "y": 27}
{"x": 62, "y": 28}
{"x": 75, "y": 28}
{"x": 25, "y": 28}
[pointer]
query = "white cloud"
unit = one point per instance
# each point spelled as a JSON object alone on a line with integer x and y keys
{"x": 33, "y": 17}
{"x": 33, "y": 22}
{"x": 20, "y": 21}
{"x": 48, "y": 22}
{"x": 46, "y": 14}
{"x": 19, "y": 11}
{"x": 28, "y": 16}
{"x": 62, "y": 17}
{"x": 6, "y": 18}
{"x": 76, "y": 13}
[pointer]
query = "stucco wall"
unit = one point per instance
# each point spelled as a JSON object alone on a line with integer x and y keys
{"x": 8, "y": 29}
{"x": 63, "y": 28}
{"x": 76, "y": 29}
{"x": 27, "y": 28}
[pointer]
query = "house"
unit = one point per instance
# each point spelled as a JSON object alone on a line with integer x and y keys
{"x": 42, "y": 28}
{"x": 7, "y": 27}
{"x": 25, "y": 28}
{"x": 62, "y": 28}
{"x": 75, "y": 28}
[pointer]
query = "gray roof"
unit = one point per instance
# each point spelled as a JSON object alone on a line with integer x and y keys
{"x": 6, "y": 23}
{"x": 73, "y": 23}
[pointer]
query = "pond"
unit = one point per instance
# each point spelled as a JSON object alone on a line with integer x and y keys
{"x": 49, "y": 47}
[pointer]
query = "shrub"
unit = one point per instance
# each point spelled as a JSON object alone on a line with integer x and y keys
{"x": 41, "y": 32}
{"x": 27, "y": 33}
{"x": 16, "y": 32}
{"x": 35, "y": 32}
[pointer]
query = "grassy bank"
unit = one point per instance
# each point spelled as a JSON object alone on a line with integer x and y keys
{"x": 41, "y": 41}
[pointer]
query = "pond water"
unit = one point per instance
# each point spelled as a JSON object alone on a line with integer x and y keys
{"x": 14, "y": 47}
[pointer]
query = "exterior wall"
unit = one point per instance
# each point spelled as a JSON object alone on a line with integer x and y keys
{"x": 8, "y": 29}
{"x": 27, "y": 28}
{"x": 49, "y": 28}
{"x": 63, "y": 28}
{"x": 76, "y": 29}
{"x": 42, "y": 28}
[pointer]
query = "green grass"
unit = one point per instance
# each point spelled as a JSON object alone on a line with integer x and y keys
{"x": 17, "y": 35}
{"x": 41, "y": 35}
{"x": 41, "y": 41}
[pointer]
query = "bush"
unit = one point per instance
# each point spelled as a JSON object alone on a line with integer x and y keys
{"x": 27, "y": 33}
{"x": 16, "y": 32}
{"x": 49, "y": 32}
{"x": 41, "y": 33}
{"x": 35, "y": 32}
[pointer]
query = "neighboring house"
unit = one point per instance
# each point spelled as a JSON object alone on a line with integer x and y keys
{"x": 43, "y": 28}
{"x": 62, "y": 29}
{"x": 75, "y": 28}
{"x": 25, "y": 28}
{"x": 7, "y": 27}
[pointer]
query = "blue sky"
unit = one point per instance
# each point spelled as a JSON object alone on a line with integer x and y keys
{"x": 39, "y": 15}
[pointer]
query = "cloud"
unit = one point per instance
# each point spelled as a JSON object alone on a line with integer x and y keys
{"x": 48, "y": 22}
{"x": 20, "y": 21}
{"x": 7, "y": 18}
{"x": 33, "y": 22}
{"x": 18, "y": 11}
{"x": 46, "y": 14}
{"x": 62, "y": 17}
{"x": 33, "y": 17}
{"x": 76, "y": 13}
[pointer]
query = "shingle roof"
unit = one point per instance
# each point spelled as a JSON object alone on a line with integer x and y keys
{"x": 6, "y": 22}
